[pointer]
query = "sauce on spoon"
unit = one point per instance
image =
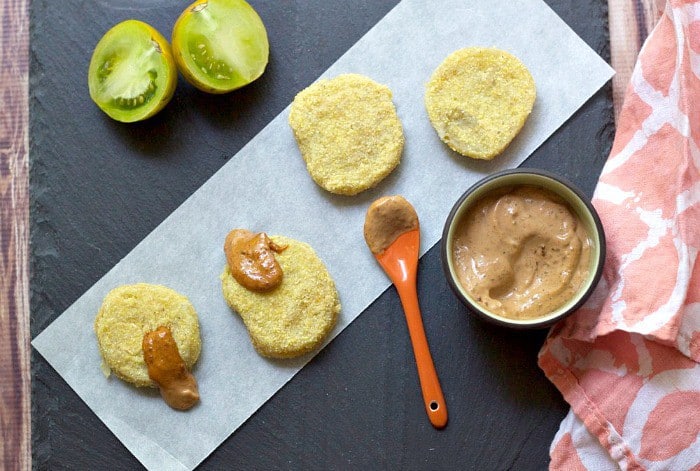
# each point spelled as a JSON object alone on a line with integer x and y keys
{"x": 387, "y": 218}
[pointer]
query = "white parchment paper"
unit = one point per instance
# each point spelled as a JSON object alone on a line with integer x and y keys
{"x": 185, "y": 251}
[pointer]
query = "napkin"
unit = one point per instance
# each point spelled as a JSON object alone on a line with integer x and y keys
{"x": 627, "y": 361}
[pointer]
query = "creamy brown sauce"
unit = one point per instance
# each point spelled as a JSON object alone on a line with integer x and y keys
{"x": 251, "y": 259}
{"x": 521, "y": 253}
{"x": 165, "y": 366}
{"x": 387, "y": 218}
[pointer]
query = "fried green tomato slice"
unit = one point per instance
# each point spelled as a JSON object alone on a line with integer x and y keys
{"x": 132, "y": 73}
{"x": 348, "y": 132}
{"x": 128, "y": 312}
{"x": 220, "y": 45}
{"x": 478, "y": 100}
{"x": 297, "y": 316}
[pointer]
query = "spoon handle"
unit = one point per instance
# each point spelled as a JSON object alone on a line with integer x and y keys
{"x": 430, "y": 384}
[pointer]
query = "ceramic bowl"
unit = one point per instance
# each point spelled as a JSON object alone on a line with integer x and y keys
{"x": 578, "y": 204}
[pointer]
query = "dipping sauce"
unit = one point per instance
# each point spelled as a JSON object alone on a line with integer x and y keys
{"x": 251, "y": 259}
{"x": 387, "y": 218}
{"x": 166, "y": 367}
{"x": 521, "y": 252}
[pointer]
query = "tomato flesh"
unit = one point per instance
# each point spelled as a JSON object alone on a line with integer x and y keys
{"x": 220, "y": 45}
{"x": 132, "y": 73}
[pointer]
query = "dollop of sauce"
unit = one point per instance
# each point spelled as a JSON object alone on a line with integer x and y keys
{"x": 387, "y": 218}
{"x": 165, "y": 366}
{"x": 251, "y": 259}
{"x": 521, "y": 252}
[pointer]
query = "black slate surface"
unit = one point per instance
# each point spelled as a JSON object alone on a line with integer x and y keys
{"x": 98, "y": 187}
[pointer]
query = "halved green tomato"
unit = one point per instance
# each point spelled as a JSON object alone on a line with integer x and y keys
{"x": 132, "y": 73}
{"x": 220, "y": 45}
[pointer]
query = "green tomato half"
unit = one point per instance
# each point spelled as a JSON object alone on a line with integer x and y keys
{"x": 132, "y": 73}
{"x": 220, "y": 45}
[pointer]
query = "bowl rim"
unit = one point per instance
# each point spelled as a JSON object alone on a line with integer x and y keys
{"x": 537, "y": 323}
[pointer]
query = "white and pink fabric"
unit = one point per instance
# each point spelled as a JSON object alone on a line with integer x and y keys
{"x": 628, "y": 362}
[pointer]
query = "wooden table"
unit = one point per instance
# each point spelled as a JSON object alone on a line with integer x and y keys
{"x": 630, "y": 22}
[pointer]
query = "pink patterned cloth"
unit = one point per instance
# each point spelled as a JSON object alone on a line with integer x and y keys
{"x": 628, "y": 361}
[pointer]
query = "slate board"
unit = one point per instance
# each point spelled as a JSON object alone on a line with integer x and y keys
{"x": 99, "y": 187}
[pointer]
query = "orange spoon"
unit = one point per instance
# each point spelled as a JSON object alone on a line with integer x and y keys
{"x": 400, "y": 262}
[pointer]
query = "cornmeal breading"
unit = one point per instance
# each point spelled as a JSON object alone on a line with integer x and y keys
{"x": 348, "y": 132}
{"x": 478, "y": 100}
{"x": 296, "y": 316}
{"x": 128, "y": 312}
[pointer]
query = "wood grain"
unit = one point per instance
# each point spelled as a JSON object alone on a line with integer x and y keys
{"x": 15, "y": 392}
{"x": 630, "y": 22}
